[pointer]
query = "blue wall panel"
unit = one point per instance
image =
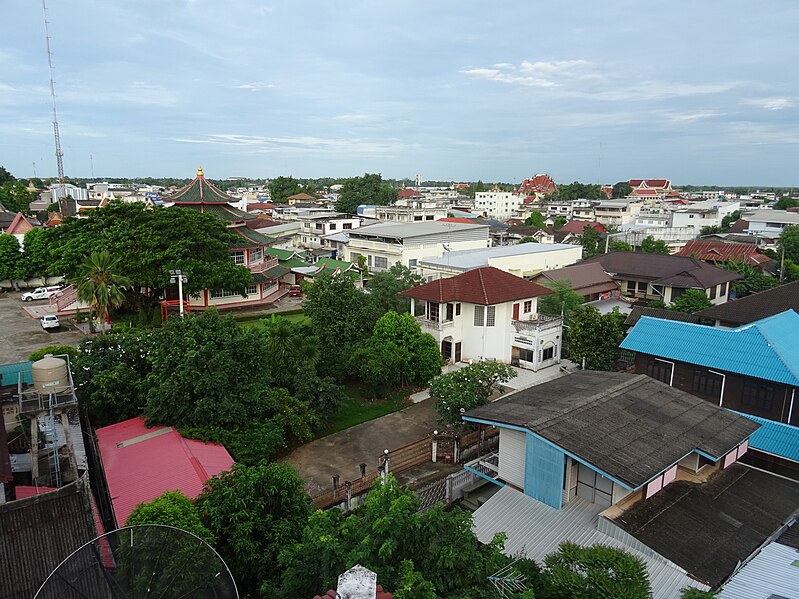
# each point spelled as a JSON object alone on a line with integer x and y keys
{"x": 543, "y": 472}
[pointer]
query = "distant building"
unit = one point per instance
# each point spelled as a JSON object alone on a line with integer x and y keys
{"x": 540, "y": 185}
{"x": 500, "y": 205}
{"x": 720, "y": 252}
{"x": 588, "y": 279}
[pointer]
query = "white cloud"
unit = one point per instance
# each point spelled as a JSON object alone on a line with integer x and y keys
{"x": 352, "y": 118}
{"x": 771, "y": 103}
{"x": 534, "y": 74}
{"x": 303, "y": 144}
{"x": 255, "y": 86}
{"x": 690, "y": 117}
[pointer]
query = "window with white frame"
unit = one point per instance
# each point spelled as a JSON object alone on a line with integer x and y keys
{"x": 381, "y": 262}
{"x": 218, "y": 293}
{"x": 479, "y": 316}
{"x": 256, "y": 255}
{"x": 238, "y": 256}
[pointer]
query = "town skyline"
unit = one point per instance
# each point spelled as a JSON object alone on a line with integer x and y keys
{"x": 596, "y": 94}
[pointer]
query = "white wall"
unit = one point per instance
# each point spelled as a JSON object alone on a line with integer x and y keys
{"x": 512, "y": 452}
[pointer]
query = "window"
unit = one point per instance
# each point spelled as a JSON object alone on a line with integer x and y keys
{"x": 528, "y": 306}
{"x": 369, "y": 260}
{"x": 346, "y": 226}
{"x": 432, "y": 311}
{"x": 412, "y": 263}
{"x": 630, "y": 286}
{"x": 548, "y": 353}
{"x": 450, "y": 311}
{"x": 381, "y": 262}
{"x": 256, "y": 255}
{"x": 238, "y": 256}
{"x": 217, "y": 293}
{"x": 723, "y": 289}
{"x": 758, "y": 395}
{"x": 526, "y": 355}
{"x": 491, "y": 312}
{"x": 660, "y": 371}
{"x": 707, "y": 383}
{"x": 332, "y": 226}
{"x": 642, "y": 286}
{"x": 479, "y": 316}
{"x": 658, "y": 290}
{"x": 417, "y": 218}
{"x": 457, "y": 309}
{"x": 429, "y": 217}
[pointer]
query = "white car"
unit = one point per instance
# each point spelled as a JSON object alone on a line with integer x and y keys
{"x": 50, "y": 321}
{"x": 40, "y": 293}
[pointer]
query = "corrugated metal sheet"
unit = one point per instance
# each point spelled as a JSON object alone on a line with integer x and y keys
{"x": 511, "y": 456}
{"x": 771, "y": 572}
{"x": 143, "y": 471}
{"x": 9, "y": 373}
{"x": 537, "y": 530}
{"x": 775, "y": 437}
{"x": 765, "y": 349}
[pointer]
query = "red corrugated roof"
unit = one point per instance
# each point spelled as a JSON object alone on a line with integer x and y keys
{"x": 539, "y": 184}
{"x": 24, "y": 491}
{"x": 408, "y": 193}
{"x": 457, "y": 219}
{"x": 720, "y": 251}
{"x": 144, "y": 467}
{"x": 485, "y": 286}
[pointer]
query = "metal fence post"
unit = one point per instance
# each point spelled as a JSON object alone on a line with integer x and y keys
{"x": 448, "y": 490}
{"x": 434, "y": 451}
{"x": 385, "y": 466}
{"x": 348, "y": 500}
{"x": 457, "y": 446}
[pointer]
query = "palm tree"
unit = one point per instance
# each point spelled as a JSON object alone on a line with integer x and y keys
{"x": 98, "y": 286}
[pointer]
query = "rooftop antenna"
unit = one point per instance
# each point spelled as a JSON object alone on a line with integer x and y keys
{"x": 59, "y": 154}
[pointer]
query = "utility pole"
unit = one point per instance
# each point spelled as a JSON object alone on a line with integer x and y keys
{"x": 59, "y": 154}
{"x": 177, "y": 276}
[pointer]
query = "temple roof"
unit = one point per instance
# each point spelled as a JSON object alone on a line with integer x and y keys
{"x": 248, "y": 237}
{"x": 203, "y": 194}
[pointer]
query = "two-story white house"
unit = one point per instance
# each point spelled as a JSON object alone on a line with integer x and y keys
{"x": 386, "y": 244}
{"x": 613, "y": 213}
{"x": 315, "y": 227}
{"x": 488, "y": 314}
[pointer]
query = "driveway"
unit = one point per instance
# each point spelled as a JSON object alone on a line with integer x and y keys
{"x": 342, "y": 452}
{"x": 20, "y": 334}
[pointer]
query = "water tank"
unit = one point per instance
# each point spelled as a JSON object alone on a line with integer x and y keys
{"x": 50, "y": 375}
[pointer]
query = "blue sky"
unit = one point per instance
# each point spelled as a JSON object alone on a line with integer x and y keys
{"x": 700, "y": 92}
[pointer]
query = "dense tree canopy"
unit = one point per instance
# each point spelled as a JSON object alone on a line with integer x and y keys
{"x": 753, "y": 280}
{"x": 616, "y": 245}
{"x": 595, "y": 337}
{"x": 369, "y": 189}
{"x": 11, "y": 259}
{"x": 536, "y": 219}
{"x": 577, "y": 191}
{"x": 281, "y": 188}
{"x": 467, "y": 388}
{"x": 650, "y": 245}
{"x": 564, "y": 301}
{"x": 171, "y": 508}
{"x": 693, "y": 300}
{"x": 621, "y": 190}
{"x": 148, "y": 243}
{"x": 589, "y": 239}
{"x": 789, "y": 242}
{"x": 37, "y": 259}
{"x": 16, "y": 197}
{"x": 5, "y": 176}
{"x": 384, "y": 288}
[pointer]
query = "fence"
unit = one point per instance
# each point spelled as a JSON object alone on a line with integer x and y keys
{"x": 449, "y": 448}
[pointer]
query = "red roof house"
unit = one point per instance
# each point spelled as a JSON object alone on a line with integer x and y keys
{"x": 720, "y": 251}
{"x": 141, "y": 463}
{"x": 576, "y": 227}
{"x": 458, "y": 219}
{"x": 408, "y": 193}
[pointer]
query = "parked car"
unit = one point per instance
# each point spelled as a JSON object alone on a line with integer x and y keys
{"x": 40, "y": 293}
{"x": 295, "y": 290}
{"x": 50, "y": 321}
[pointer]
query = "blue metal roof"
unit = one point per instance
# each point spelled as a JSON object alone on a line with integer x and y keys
{"x": 10, "y": 373}
{"x": 774, "y": 437}
{"x": 765, "y": 349}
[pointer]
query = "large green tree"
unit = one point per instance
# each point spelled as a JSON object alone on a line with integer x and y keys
{"x": 171, "y": 508}
{"x": 11, "y": 260}
{"x": 148, "y": 243}
{"x": 789, "y": 242}
{"x": 341, "y": 316}
{"x": 693, "y": 300}
{"x": 589, "y": 239}
{"x": 753, "y": 280}
{"x": 16, "y": 197}
{"x": 384, "y": 288}
{"x": 99, "y": 284}
{"x": 564, "y": 301}
{"x": 595, "y": 337}
{"x": 467, "y": 388}
{"x": 368, "y": 189}
{"x": 577, "y": 191}
{"x": 397, "y": 354}
{"x": 536, "y": 219}
{"x": 281, "y": 188}
{"x": 597, "y": 572}
{"x": 650, "y": 245}
{"x": 6, "y": 176}
{"x": 255, "y": 513}
{"x": 621, "y": 190}
{"x": 37, "y": 259}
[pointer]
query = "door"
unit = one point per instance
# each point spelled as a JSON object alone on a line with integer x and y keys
{"x": 446, "y": 349}
{"x": 594, "y": 487}
{"x": 458, "y": 351}
{"x": 515, "y": 311}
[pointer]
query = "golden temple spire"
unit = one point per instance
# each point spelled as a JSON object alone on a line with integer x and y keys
{"x": 199, "y": 171}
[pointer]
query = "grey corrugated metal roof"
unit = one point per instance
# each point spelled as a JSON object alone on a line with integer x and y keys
{"x": 631, "y": 427}
{"x": 415, "y": 229}
{"x": 537, "y": 530}
{"x": 770, "y": 573}
{"x": 468, "y": 259}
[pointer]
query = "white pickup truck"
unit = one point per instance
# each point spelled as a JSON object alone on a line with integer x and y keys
{"x": 40, "y": 293}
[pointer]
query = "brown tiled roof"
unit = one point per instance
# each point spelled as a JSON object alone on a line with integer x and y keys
{"x": 720, "y": 251}
{"x": 756, "y": 306}
{"x": 301, "y": 196}
{"x": 584, "y": 278}
{"x": 663, "y": 269}
{"x": 485, "y": 286}
{"x": 638, "y": 311}
{"x": 739, "y": 226}
{"x": 576, "y": 227}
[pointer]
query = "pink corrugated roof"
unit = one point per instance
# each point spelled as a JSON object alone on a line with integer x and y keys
{"x": 142, "y": 470}
{"x": 24, "y": 491}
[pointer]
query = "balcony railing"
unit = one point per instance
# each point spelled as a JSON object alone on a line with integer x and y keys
{"x": 434, "y": 325}
{"x": 263, "y": 265}
{"x": 540, "y": 323}
{"x": 487, "y": 465}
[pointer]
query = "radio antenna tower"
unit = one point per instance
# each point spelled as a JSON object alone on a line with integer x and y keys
{"x": 59, "y": 154}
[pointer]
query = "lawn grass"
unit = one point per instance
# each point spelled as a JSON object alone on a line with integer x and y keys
{"x": 255, "y": 321}
{"x": 357, "y": 408}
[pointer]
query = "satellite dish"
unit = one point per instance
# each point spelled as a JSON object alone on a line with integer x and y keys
{"x": 134, "y": 562}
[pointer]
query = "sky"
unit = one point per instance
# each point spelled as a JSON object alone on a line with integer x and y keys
{"x": 698, "y": 92}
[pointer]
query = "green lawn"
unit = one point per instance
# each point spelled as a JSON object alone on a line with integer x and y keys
{"x": 356, "y": 408}
{"x": 297, "y": 316}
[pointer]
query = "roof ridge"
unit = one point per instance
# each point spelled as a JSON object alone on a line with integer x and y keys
{"x": 482, "y": 284}
{"x": 770, "y": 341}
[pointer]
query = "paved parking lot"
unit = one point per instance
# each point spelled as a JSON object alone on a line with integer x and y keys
{"x": 20, "y": 334}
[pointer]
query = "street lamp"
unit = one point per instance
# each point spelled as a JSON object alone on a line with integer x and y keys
{"x": 177, "y": 276}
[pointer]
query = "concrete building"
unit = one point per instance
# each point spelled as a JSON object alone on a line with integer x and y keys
{"x": 769, "y": 222}
{"x": 488, "y": 314}
{"x": 614, "y": 213}
{"x": 708, "y": 213}
{"x": 316, "y": 226}
{"x": 500, "y": 205}
{"x": 386, "y": 244}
